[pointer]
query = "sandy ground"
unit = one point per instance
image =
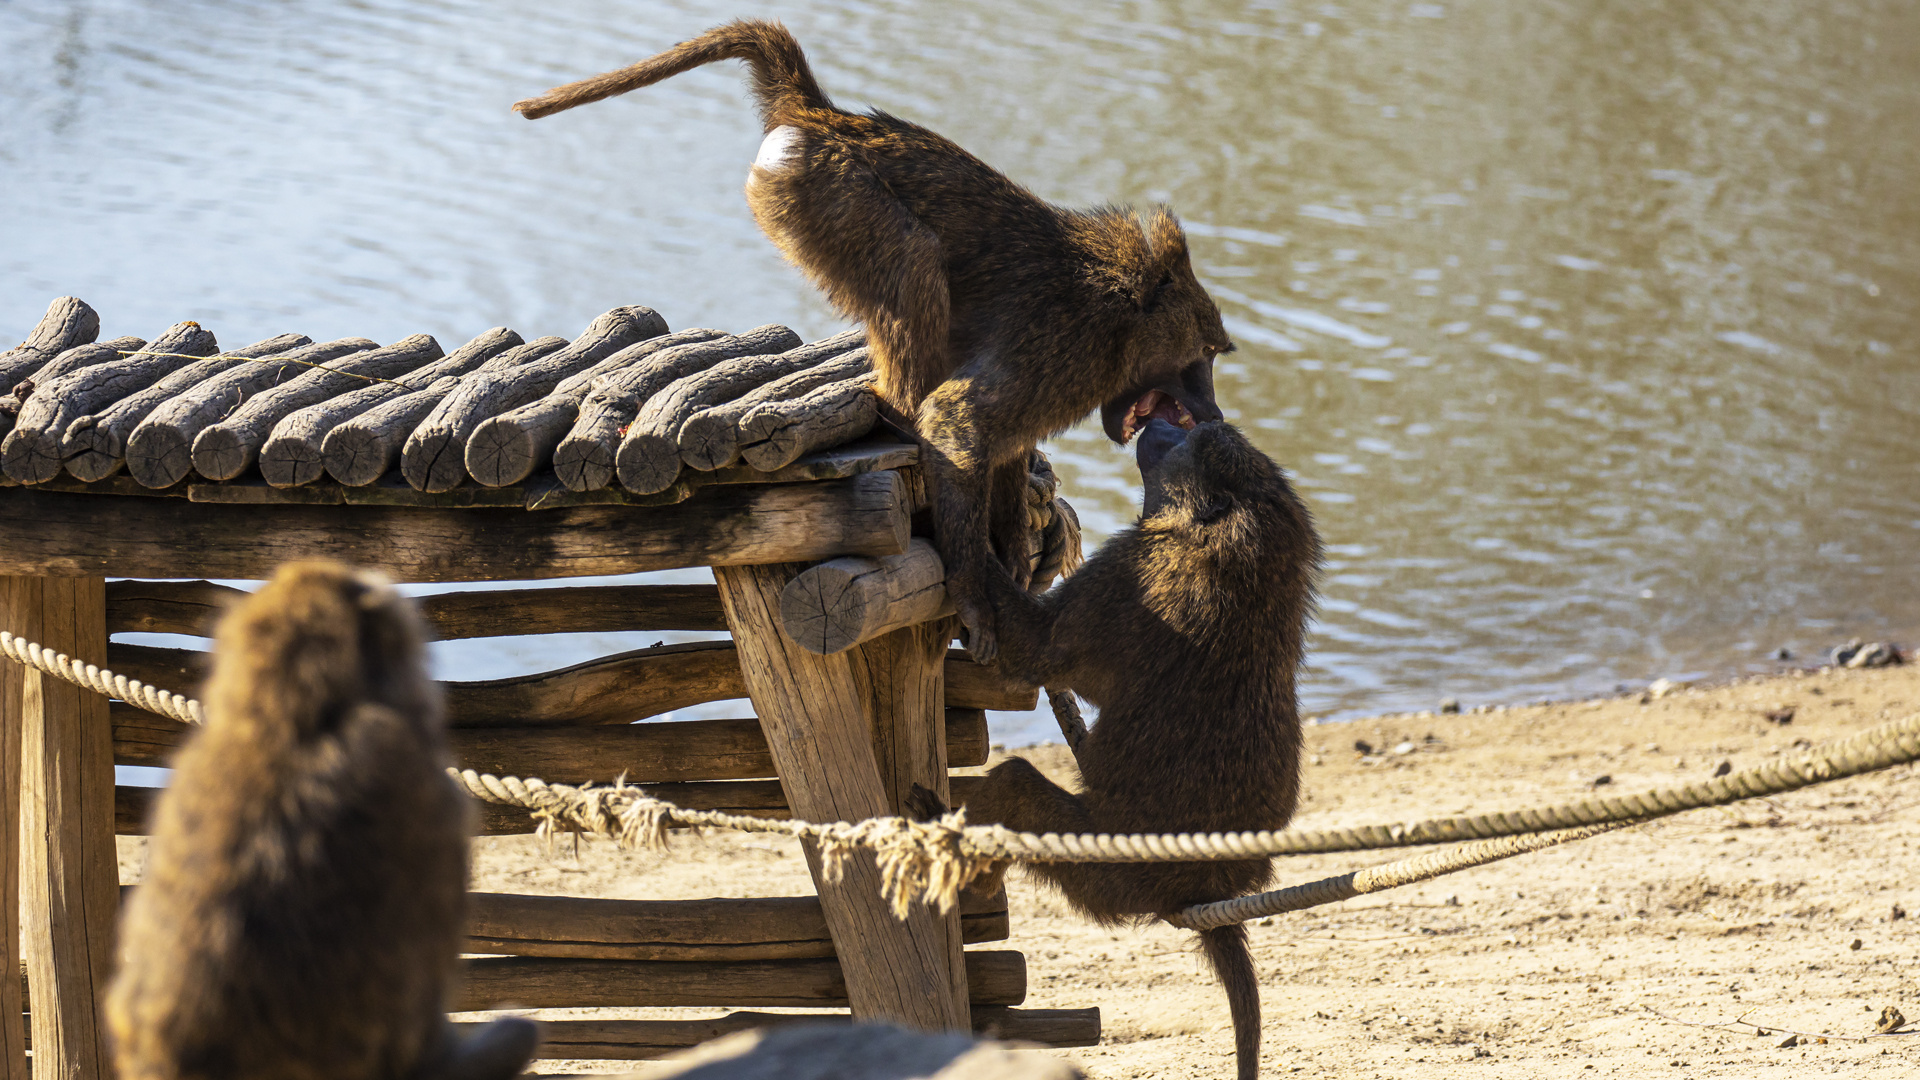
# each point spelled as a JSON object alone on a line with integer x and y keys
{"x": 1597, "y": 956}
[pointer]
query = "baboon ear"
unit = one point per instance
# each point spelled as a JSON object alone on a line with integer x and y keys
{"x": 1165, "y": 238}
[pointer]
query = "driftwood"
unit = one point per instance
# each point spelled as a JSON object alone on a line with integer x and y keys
{"x": 225, "y": 450}
{"x": 840, "y": 603}
{"x": 710, "y": 439}
{"x": 80, "y": 356}
{"x": 68, "y": 322}
{"x": 434, "y": 457}
{"x": 159, "y": 452}
{"x": 649, "y": 455}
{"x": 769, "y": 928}
{"x": 632, "y": 1040}
{"x": 66, "y": 533}
{"x": 31, "y": 453}
{"x": 774, "y": 433}
{"x": 993, "y": 978}
{"x": 188, "y": 607}
{"x": 508, "y": 448}
{"x": 584, "y": 460}
{"x": 96, "y": 446}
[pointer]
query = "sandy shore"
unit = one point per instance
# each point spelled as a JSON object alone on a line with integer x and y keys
{"x": 1588, "y": 957}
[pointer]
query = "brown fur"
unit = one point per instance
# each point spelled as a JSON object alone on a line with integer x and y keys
{"x": 303, "y": 905}
{"x": 1187, "y": 631}
{"x": 993, "y": 318}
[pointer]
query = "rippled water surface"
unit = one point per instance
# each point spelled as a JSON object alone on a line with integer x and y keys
{"x": 1588, "y": 329}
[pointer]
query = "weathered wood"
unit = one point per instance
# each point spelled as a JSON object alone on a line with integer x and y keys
{"x": 80, "y": 356}
{"x": 997, "y": 977}
{"x": 506, "y": 449}
{"x": 637, "y": 1040}
{"x": 772, "y": 928}
{"x": 710, "y": 439}
{"x": 95, "y": 445}
{"x": 776, "y": 432}
{"x": 67, "y": 323}
{"x": 228, "y": 448}
{"x": 361, "y": 450}
{"x": 970, "y": 686}
{"x": 188, "y": 607}
{"x": 159, "y": 451}
{"x": 584, "y": 460}
{"x": 15, "y": 597}
{"x": 843, "y": 602}
{"x": 31, "y": 452}
{"x": 434, "y": 457}
{"x": 649, "y": 455}
{"x": 902, "y": 676}
{"x": 757, "y": 798}
{"x": 815, "y": 717}
{"x": 292, "y": 455}
{"x": 69, "y": 869}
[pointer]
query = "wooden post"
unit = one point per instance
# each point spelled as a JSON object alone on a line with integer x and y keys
{"x": 13, "y": 689}
{"x": 904, "y": 676}
{"x": 68, "y": 868}
{"x": 814, "y": 710}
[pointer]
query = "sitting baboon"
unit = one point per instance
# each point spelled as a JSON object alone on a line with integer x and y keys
{"x": 1186, "y": 630}
{"x": 304, "y": 900}
{"x": 994, "y": 319}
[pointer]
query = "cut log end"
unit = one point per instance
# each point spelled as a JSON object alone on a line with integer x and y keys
{"x": 500, "y": 452}
{"x": 158, "y": 456}
{"x": 840, "y": 603}
{"x": 709, "y": 442}
{"x": 648, "y": 461}
{"x": 221, "y": 453}
{"x": 291, "y": 462}
{"x": 30, "y": 456}
{"x": 432, "y": 460}
{"x": 354, "y": 456}
{"x": 583, "y": 464}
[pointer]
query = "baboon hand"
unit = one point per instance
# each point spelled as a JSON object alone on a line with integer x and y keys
{"x": 982, "y": 643}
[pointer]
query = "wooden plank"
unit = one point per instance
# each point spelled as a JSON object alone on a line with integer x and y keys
{"x": 68, "y": 869}
{"x": 648, "y": 753}
{"x": 635, "y": 1040}
{"x": 757, "y": 798}
{"x": 998, "y": 977}
{"x": 970, "y": 686}
{"x": 189, "y": 607}
{"x": 618, "y": 689}
{"x": 814, "y": 713}
{"x": 765, "y": 928}
{"x": 56, "y": 532}
{"x": 902, "y": 675}
{"x": 16, "y": 595}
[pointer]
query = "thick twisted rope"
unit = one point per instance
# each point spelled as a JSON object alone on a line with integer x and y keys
{"x": 99, "y": 680}
{"x": 934, "y": 859}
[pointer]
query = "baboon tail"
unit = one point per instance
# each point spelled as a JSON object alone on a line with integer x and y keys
{"x": 1232, "y": 961}
{"x": 782, "y": 82}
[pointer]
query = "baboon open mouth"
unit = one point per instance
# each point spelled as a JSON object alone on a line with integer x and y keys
{"x": 1154, "y": 405}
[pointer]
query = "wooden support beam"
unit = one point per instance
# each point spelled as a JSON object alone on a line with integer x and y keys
{"x": 15, "y": 598}
{"x": 635, "y": 1040}
{"x": 970, "y": 686}
{"x": 524, "y": 982}
{"x": 69, "y": 871}
{"x": 726, "y": 524}
{"x": 767, "y": 928}
{"x": 132, "y": 806}
{"x": 842, "y": 602}
{"x": 815, "y": 714}
{"x": 190, "y": 607}
{"x": 647, "y": 753}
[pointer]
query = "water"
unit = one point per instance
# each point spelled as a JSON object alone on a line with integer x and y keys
{"x": 1588, "y": 329}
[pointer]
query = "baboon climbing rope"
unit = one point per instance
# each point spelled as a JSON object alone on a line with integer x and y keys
{"x": 932, "y": 860}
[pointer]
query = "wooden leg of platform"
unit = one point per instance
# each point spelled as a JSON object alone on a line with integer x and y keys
{"x": 814, "y": 711}
{"x": 13, "y": 689}
{"x": 69, "y": 872}
{"x": 903, "y": 674}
